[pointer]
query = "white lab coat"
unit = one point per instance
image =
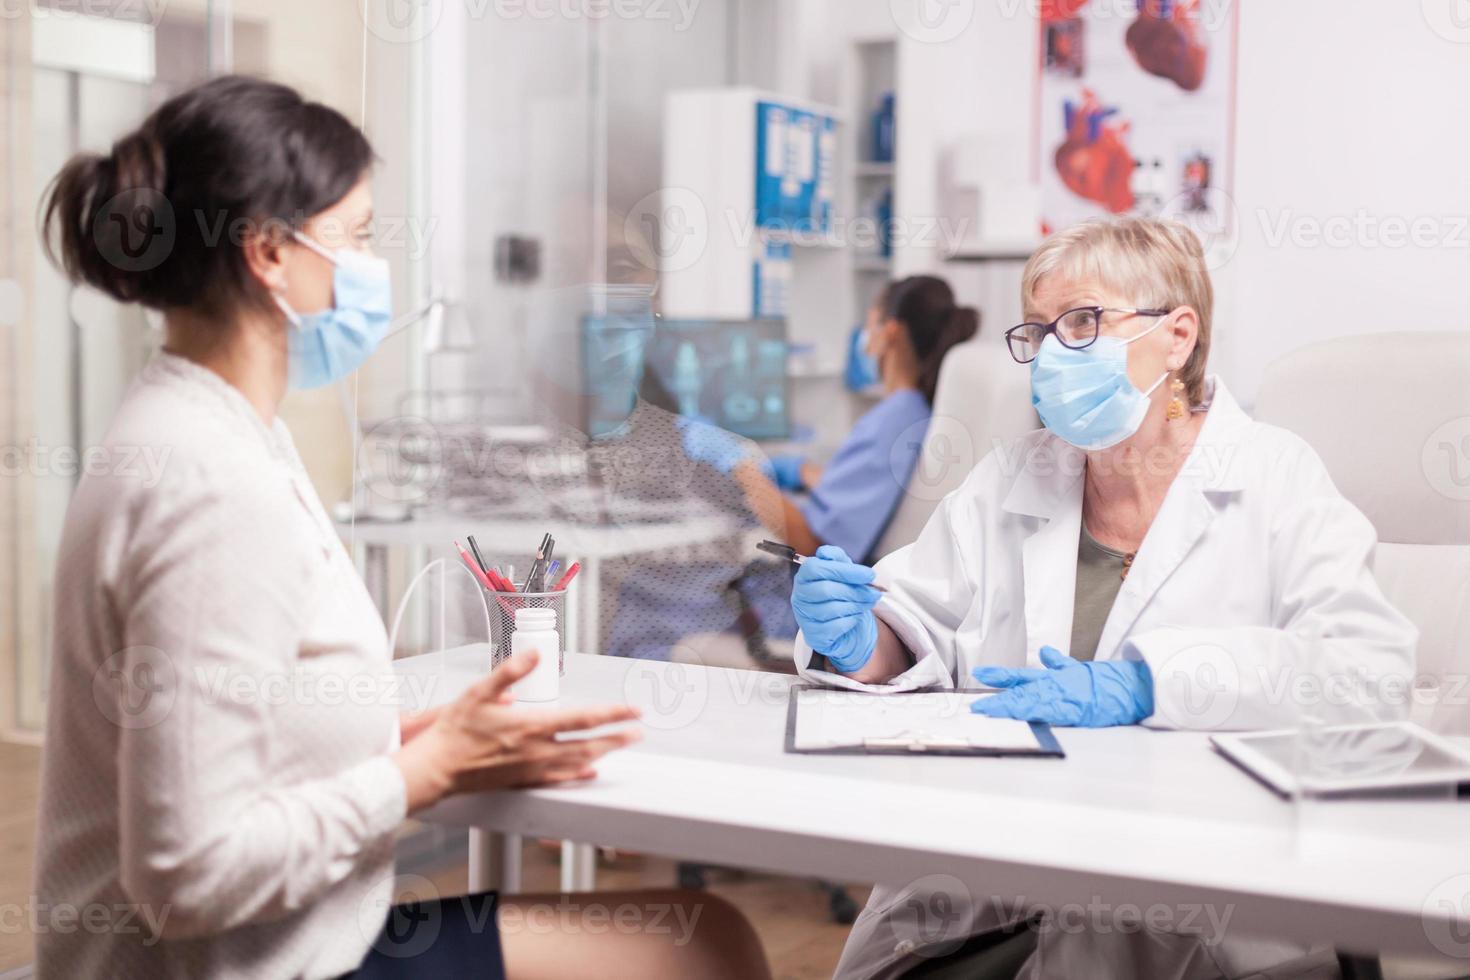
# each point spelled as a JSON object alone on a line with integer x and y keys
{"x": 1255, "y": 572}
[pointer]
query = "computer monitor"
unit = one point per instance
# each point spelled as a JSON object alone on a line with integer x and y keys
{"x": 731, "y": 372}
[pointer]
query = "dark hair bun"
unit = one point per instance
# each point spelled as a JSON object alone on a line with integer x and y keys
{"x": 926, "y": 307}
{"x": 112, "y": 217}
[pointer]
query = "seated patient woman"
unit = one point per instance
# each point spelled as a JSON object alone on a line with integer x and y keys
{"x": 223, "y": 761}
{"x": 1151, "y": 556}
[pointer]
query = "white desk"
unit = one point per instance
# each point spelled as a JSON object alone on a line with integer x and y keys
{"x": 1131, "y": 815}
{"x": 591, "y": 544}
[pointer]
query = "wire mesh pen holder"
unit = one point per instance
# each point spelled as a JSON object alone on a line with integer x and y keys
{"x": 503, "y": 607}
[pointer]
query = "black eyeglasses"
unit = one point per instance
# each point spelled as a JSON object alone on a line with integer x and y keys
{"x": 1076, "y": 329}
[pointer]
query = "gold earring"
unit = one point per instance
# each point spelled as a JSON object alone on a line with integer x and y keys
{"x": 1176, "y": 405}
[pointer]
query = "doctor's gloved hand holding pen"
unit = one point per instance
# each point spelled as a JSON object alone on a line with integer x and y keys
{"x": 833, "y": 599}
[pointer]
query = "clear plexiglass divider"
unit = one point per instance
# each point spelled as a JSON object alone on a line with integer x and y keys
{"x": 444, "y": 607}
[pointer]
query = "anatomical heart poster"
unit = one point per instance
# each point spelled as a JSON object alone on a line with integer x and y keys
{"x": 1137, "y": 107}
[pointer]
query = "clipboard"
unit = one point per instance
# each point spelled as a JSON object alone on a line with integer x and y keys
{"x": 1046, "y": 747}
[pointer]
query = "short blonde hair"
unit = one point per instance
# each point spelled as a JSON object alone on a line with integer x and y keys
{"x": 1155, "y": 263}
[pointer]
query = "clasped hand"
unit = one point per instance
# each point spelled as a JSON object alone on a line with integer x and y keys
{"x": 482, "y": 740}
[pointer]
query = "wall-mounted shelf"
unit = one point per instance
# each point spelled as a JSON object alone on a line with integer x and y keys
{"x": 764, "y": 168}
{"x": 1018, "y": 250}
{"x": 873, "y": 180}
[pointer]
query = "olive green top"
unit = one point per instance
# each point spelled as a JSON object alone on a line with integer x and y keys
{"x": 1099, "y": 577}
{"x": 1000, "y": 954}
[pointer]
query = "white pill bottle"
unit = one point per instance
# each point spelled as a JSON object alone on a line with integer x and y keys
{"x": 536, "y": 630}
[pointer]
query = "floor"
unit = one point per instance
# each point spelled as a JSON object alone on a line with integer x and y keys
{"x": 20, "y": 777}
{"x": 790, "y": 915}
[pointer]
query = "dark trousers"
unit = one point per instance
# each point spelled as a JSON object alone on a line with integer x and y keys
{"x": 448, "y": 937}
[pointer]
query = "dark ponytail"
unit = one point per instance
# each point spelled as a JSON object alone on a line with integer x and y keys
{"x": 162, "y": 219}
{"x": 925, "y": 305}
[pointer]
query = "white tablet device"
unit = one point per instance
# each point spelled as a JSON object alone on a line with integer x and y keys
{"x": 1342, "y": 759}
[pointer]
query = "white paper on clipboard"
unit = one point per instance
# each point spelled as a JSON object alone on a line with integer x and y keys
{"x": 827, "y": 718}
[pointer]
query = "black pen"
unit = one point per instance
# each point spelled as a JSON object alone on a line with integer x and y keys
{"x": 788, "y": 553}
{"x": 475, "y": 550}
{"x": 536, "y": 578}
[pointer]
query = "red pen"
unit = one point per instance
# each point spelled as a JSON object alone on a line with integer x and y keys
{"x": 474, "y": 568}
{"x": 566, "y": 579}
{"x": 489, "y": 579}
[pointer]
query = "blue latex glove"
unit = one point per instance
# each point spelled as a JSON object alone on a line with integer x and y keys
{"x": 834, "y": 604}
{"x": 1091, "y": 694}
{"x": 788, "y": 472}
{"x": 705, "y": 442}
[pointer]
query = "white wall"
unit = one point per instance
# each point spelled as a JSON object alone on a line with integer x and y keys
{"x": 647, "y": 58}
{"x": 1346, "y": 107}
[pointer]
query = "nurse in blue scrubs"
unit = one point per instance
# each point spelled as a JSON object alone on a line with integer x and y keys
{"x": 848, "y": 503}
{"x": 910, "y": 329}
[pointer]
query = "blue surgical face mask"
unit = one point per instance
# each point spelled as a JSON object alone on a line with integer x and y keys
{"x": 862, "y": 368}
{"x": 327, "y": 346}
{"x": 1084, "y": 396}
{"x": 615, "y": 349}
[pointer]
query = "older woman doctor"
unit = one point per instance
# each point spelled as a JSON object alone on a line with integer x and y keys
{"x": 1150, "y": 550}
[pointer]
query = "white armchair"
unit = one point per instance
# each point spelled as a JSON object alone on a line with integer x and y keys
{"x": 1390, "y": 416}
